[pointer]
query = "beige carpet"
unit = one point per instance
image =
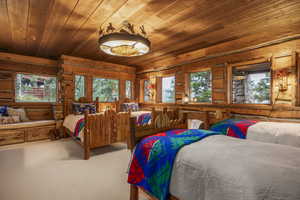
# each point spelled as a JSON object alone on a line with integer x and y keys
{"x": 56, "y": 171}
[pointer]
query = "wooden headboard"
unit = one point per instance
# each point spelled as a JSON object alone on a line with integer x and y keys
{"x": 208, "y": 117}
{"x": 119, "y": 103}
{"x": 137, "y": 132}
{"x": 68, "y": 108}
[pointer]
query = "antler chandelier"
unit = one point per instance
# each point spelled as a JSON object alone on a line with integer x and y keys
{"x": 126, "y": 42}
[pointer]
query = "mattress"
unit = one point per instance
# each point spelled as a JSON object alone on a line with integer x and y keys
{"x": 226, "y": 168}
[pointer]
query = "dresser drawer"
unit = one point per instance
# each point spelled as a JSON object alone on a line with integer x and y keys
{"x": 12, "y": 137}
{"x": 39, "y": 133}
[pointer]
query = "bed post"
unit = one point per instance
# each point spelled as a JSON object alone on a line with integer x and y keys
{"x": 118, "y": 105}
{"x": 206, "y": 120}
{"x": 184, "y": 119}
{"x": 66, "y": 107}
{"x": 134, "y": 192}
{"x": 86, "y": 136}
{"x": 176, "y": 113}
{"x": 153, "y": 114}
{"x": 131, "y": 139}
{"x": 97, "y": 105}
{"x": 228, "y": 114}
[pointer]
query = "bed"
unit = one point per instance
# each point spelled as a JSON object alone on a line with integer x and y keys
{"x": 127, "y": 105}
{"x": 104, "y": 127}
{"x": 211, "y": 168}
{"x": 261, "y": 129}
{"x": 93, "y": 130}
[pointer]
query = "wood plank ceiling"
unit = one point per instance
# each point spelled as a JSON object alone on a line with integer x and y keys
{"x": 50, "y": 28}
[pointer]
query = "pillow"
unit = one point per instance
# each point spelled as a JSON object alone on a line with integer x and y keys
{"x": 9, "y": 119}
{"x": 276, "y": 132}
{"x": 3, "y": 111}
{"x": 125, "y": 107}
{"x": 135, "y": 107}
{"x": 79, "y": 108}
{"x": 18, "y": 112}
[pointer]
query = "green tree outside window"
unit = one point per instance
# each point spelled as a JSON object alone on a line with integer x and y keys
{"x": 200, "y": 86}
{"x": 79, "y": 86}
{"x": 106, "y": 89}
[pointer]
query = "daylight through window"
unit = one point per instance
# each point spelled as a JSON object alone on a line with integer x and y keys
{"x": 128, "y": 89}
{"x": 106, "y": 89}
{"x": 168, "y": 89}
{"x": 35, "y": 88}
{"x": 79, "y": 86}
{"x": 251, "y": 84}
{"x": 147, "y": 90}
{"x": 200, "y": 86}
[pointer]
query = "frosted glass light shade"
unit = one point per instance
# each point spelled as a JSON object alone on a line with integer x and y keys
{"x": 124, "y": 44}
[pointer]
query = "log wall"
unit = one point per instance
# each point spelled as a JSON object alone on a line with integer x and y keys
{"x": 70, "y": 66}
{"x": 10, "y": 65}
{"x": 284, "y": 104}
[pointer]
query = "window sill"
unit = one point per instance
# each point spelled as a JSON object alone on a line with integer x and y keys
{"x": 198, "y": 103}
{"x": 41, "y": 103}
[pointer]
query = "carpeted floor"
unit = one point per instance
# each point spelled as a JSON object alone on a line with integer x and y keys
{"x": 56, "y": 171}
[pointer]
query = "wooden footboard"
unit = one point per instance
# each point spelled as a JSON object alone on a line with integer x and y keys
{"x": 103, "y": 129}
{"x": 160, "y": 122}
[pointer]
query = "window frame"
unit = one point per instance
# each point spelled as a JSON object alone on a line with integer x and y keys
{"x": 161, "y": 89}
{"x": 85, "y": 85}
{"x": 36, "y": 74}
{"x": 98, "y": 77}
{"x": 230, "y": 81}
{"x": 188, "y": 84}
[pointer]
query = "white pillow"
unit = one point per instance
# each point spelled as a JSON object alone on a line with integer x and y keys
{"x": 9, "y": 119}
{"x": 275, "y": 132}
{"x": 18, "y": 112}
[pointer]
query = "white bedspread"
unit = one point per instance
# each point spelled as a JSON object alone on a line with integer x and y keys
{"x": 275, "y": 132}
{"x": 71, "y": 121}
{"x": 225, "y": 168}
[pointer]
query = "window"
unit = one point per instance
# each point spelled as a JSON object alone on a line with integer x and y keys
{"x": 200, "y": 86}
{"x": 35, "y": 88}
{"x": 168, "y": 89}
{"x": 79, "y": 86}
{"x": 251, "y": 84}
{"x": 128, "y": 89}
{"x": 147, "y": 90}
{"x": 106, "y": 89}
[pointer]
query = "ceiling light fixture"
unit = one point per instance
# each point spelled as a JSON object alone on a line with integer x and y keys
{"x": 126, "y": 42}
